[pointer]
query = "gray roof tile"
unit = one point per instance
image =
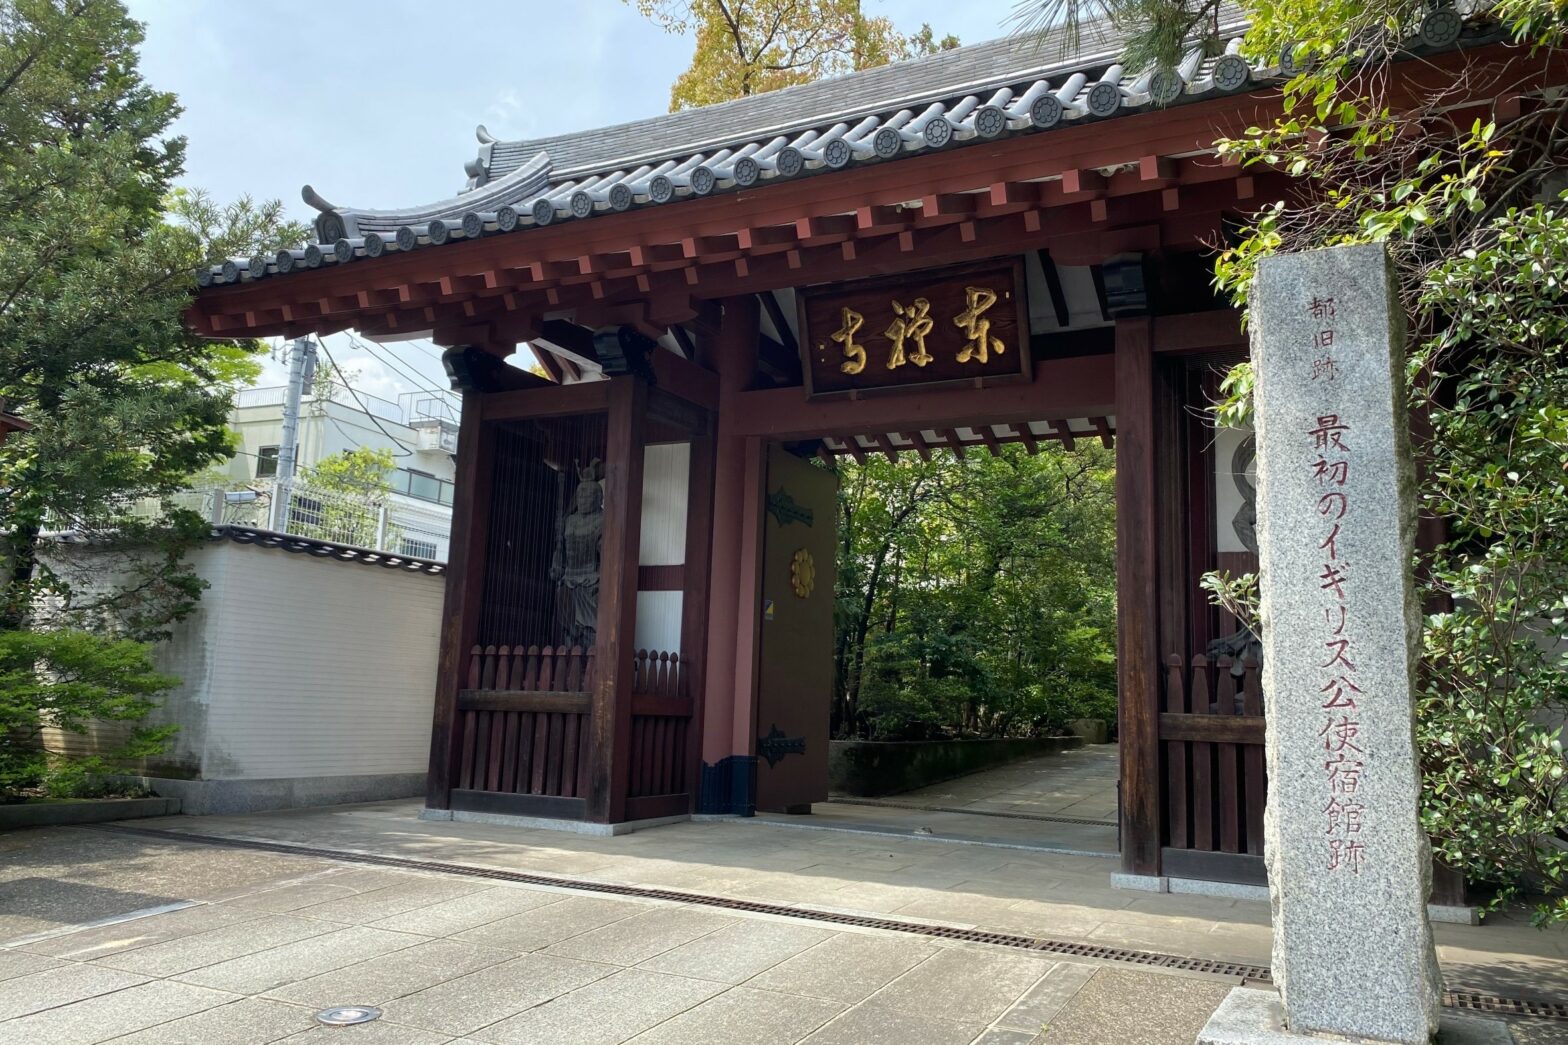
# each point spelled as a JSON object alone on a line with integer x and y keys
{"x": 1014, "y": 85}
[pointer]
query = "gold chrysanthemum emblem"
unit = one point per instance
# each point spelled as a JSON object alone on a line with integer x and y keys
{"x": 802, "y": 573}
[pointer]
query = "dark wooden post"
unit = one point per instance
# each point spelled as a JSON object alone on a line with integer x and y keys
{"x": 694, "y": 600}
{"x": 465, "y": 569}
{"x": 1173, "y": 500}
{"x": 609, "y": 747}
{"x": 1137, "y": 609}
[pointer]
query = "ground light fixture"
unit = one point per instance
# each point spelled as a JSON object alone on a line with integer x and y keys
{"x": 348, "y": 1015}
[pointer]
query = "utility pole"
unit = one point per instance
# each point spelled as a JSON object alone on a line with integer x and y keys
{"x": 302, "y": 368}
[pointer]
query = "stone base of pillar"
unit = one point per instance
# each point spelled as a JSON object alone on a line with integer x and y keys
{"x": 1250, "y": 1016}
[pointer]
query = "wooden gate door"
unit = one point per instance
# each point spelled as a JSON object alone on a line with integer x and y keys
{"x": 795, "y": 676}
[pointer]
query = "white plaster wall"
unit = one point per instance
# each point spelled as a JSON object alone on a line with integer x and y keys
{"x": 666, "y": 475}
{"x": 666, "y": 479}
{"x": 187, "y": 655}
{"x": 320, "y": 668}
{"x": 659, "y": 620}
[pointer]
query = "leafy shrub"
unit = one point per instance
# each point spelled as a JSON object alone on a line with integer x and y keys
{"x": 70, "y": 679}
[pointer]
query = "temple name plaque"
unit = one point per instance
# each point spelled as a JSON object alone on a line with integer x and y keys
{"x": 956, "y": 326}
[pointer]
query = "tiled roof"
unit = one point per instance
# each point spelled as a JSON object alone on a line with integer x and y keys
{"x": 978, "y": 93}
{"x": 325, "y": 549}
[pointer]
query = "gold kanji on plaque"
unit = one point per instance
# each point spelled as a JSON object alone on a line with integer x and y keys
{"x": 854, "y": 355}
{"x": 976, "y": 327}
{"x": 909, "y": 324}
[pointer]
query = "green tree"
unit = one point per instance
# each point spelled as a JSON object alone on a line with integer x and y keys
{"x": 97, "y": 255}
{"x": 975, "y": 596}
{"x": 1479, "y": 237}
{"x": 746, "y": 47}
{"x": 356, "y": 486}
{"x": 97, "y": 251}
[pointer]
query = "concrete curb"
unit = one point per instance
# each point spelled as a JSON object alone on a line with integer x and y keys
{"x": 90, "y": 811}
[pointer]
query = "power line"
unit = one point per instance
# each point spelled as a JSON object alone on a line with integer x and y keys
{"x": 398, "y": 365}
{"x": 363, "y": 407}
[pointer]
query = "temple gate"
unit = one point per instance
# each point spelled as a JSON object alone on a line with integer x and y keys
{"x": 709, "y": 290}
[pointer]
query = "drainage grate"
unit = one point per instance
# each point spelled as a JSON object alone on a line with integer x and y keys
{"x": 1493, "y": 1005}
{"x": 1042, "y": 817}
{"x": 1247, "y": 974}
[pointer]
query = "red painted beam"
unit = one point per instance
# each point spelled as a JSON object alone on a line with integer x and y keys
{"x": 1078, "y": 387}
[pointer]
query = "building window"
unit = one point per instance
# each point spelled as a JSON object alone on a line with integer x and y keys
{"x": 417, "y": 549}
{"x": 421, "y": 485}
{"x": 267, "y": 462}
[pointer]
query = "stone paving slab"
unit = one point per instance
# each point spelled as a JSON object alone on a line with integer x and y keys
{"x": 59, "y": 987}
{"x": 119, "y": 937}
{"x": 388, "y": 976}
{"x": 867, "y": 1026}
{"x": 108, "y": 1015}
{"x": 1040, "y": 1005}
{"x": 738, "y": 952}
{"x": 24, "y": 963}
{"x": 743, "y": 1015}
{"x": 411, "y": 893}
{"x": 968, "y": 984}
{"x": 536, "y": 929}
{"x": 181, "y": 954}
{"x": 468, "y": 1003}
{"x": 378, "y": 1033}
{"x": 468, "y": 911}
{"x": 1100, "y": 1012}
{"x": 606, "y": 1012}
{"x": 845, "y": 968}
{"x": 264, "y": 970}
{"x": 642, "y": 936}
{"x": 245, "y": 1022}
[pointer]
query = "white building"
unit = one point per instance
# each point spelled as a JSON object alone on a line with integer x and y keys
{"x": 419, "y": 430}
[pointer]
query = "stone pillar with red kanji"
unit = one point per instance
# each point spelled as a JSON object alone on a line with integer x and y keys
{"x": 1349, "y": 866}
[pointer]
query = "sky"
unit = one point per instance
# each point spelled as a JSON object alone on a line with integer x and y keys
{"x": 374, "y": 102}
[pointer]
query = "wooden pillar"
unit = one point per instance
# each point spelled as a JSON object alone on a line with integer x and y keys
{"x": 736, "y": 356}
{"x": 748, "y": 604}
{"x": 611, "y": 718}
{"x": 1137, "y": 630}
{"x": 1173, "y": 508}
{"x": 694, "y": 601}
{"x": 465, "y": 571}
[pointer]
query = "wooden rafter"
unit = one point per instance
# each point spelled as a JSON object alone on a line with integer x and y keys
{"x": 853, "y": 448}
{"x": 886, "y": 446}
{"x": 918, "y": 439}
{"x": 953, "y": 443}
{"x": 1063, "y": 432}
{"x": 683, "y": 339}
{"x": 1027, "y": 437}
{"x": 551, "y": 362}
{"x": 1053, "y": 286}
{"x": 988, "y": 437}
{"x": 1102, "y": 425}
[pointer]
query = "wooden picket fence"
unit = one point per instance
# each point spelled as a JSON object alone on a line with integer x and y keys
{"x": 525, "y": 720}
{"x": 1211, "y": 732}
{"x": 661, "y": 721}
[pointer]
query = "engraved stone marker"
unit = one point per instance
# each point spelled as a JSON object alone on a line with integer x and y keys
{"x": 1349, "y": 866}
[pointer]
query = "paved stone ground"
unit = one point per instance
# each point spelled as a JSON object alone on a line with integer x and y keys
{"x": 1079, "y": 783}
{"x": 270, "y": 939}
{"x": 452, "y": 958}
{"x": 989, "y": 806}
